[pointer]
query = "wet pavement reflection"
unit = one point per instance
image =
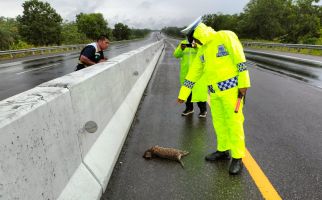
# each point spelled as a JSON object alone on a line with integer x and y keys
{"x": 22, "y": 75}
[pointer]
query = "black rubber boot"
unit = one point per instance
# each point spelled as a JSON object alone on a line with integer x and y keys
{"x": 218, "y": 155}
{"x": 236, "y": 166}
{"x": 203, "y": 114}
{"x": 187, "y": 112}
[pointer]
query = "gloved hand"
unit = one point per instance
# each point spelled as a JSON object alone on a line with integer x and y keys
{"x": 180, "y": 101}
{"x": 243, "y": 91}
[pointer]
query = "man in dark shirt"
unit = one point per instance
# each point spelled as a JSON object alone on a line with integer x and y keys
{"x": 93, "y": 53}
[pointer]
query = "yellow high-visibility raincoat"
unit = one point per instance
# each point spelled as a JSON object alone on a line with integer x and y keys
{"x": 225, "y": 72}
{"x": 200, "y": 90}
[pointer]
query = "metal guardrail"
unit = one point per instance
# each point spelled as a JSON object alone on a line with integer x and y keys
{"x": 290, "y": 46}
{"x": 42, "y": 50}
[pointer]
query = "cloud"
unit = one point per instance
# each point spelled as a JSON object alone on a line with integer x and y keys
{"x": 69, "y": 9}
{"x": 145, "y": 5}
{"x": 11, "y": 8}
{"x": 158, "y": 14}
{"x": 154, "y": 14}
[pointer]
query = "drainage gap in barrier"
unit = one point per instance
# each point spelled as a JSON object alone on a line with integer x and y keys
{"x": 90, "y": 127}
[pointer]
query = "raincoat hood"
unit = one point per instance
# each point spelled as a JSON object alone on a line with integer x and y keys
{"x": 204, "y": 33}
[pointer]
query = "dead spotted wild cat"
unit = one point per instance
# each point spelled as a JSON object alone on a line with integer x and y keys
{"x": 168, "y": 153}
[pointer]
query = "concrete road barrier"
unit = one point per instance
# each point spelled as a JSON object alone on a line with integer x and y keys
{"x": 46, "y": 153}
{"x": 38, "y": 144}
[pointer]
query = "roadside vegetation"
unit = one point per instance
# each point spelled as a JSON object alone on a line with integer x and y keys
{"x": 279, "y": 21}
{"x": 40, "y": 25}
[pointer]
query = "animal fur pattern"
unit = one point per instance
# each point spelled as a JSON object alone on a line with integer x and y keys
{"x": 168, "y": 153}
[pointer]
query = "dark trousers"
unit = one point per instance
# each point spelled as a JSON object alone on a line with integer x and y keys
{"x": 189, "y": 105}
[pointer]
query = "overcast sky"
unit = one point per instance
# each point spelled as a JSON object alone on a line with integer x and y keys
{"x": 153, "y": 14}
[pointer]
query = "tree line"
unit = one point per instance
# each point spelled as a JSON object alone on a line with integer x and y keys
{"x": 41, "y": 25}
{"x": 288, "y": 21}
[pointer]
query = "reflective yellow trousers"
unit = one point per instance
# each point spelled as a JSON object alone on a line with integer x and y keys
{"x": 228, "y": 125}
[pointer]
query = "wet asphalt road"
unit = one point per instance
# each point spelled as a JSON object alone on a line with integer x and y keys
{"x": 32, "y": 71}
{"x": 311, "y": 75}
{"x": 283, "y": 133}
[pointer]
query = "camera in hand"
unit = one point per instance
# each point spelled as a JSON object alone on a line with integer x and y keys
{"x": 188, "y": 45}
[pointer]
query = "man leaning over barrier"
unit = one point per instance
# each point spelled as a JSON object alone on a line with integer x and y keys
{"x": 227, "y": 78}
{"x": 93, "y": 53}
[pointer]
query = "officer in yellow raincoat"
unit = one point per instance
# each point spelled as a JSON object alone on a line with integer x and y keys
{"x": 227, "y": 78}
{"x": 187, "y": 53}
